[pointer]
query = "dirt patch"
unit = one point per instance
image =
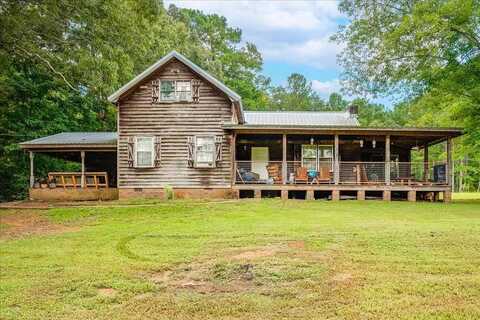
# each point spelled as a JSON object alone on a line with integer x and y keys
{"x": 296, "y": 245}
{"x": 25, "y": 222}
{"x": 236, "y": 272}
{"x": 161, "y": 277}
{"x": 107, "y": 292}
{"x": 26, "y": 204}
{"x": 342, "y": 277}
{"x": 258, "y": 253}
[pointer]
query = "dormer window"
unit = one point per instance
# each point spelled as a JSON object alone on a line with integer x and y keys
{"x": 175, "y": 90}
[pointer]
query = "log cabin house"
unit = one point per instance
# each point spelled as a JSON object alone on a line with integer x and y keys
{"x": 180, "y": 127}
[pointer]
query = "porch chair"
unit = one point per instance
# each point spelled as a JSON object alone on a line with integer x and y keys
{"x": 324, "y": 175}
{"x": 274, "y": 172}
{"x": 301, "y": 175}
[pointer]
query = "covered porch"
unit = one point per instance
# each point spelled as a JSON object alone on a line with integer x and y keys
{"x": 349, "y": 160}
{"x": 96, "y": 152}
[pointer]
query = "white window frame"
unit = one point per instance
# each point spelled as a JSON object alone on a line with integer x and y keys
{"x": 152, "y": 151}
{"x": 204, "y": 164}
{"x": 319, "y": 157}
{"x": 176, "y": 93}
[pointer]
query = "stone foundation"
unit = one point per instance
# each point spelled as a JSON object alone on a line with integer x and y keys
{"x": 60, "y": 194}
{"x": 179, "y": 193}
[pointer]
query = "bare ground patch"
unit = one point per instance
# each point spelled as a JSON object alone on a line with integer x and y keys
{"x": 21, "y": 223}
{"x": 107, "y": 292}
{"x": 262, "y": 268}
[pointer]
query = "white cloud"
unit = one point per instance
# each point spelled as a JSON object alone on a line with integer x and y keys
{"x": 284, "y": 31}
{"x": 325, "y": 88}
{"x": 319, "y": 53}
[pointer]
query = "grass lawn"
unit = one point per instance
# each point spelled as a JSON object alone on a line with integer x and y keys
{"x": 243, "y": 260}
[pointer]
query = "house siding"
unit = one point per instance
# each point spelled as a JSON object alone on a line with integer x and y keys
{"x": 174, "y": 123}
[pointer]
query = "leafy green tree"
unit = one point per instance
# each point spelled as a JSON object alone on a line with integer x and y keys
{"x": 218, "y": 50}
{"x": 297, "y": 95}
{"x": 428, "y": 51}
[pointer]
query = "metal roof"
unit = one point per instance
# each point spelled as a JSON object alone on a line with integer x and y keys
{"x": 174, "y": 54}
{"x": 411, "y": 131}
{"x": 66, "y": 139}
{"x": 296, "y": 118}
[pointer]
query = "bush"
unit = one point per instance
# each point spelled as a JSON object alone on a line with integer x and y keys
{"x": 168, "y": 192}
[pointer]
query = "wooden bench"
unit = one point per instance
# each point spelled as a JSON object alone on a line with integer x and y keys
{"x": 74, "y": 179}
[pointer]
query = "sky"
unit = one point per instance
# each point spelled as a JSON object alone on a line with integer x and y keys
{"x": 292, "y": 36}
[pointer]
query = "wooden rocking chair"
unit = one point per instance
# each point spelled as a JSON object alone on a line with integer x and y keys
{"x": 301, "y": 175}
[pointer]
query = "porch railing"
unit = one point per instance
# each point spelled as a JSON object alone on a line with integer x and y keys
{"x": 350, "y": 172}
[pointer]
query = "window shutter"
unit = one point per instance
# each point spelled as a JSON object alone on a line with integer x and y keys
{"x": 158, "y": 151}
{"x": 130, "y": 147}
{"x": 191, "y": 152}
{"x": 155, "y": 90}
{"x": 196, "y": 90}
{"x": 218, "y": 149}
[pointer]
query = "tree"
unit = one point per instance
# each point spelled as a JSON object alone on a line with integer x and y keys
{"x": 59, "y": 61}
{"x": 297, "y": 95}
{"x": 218, "y": 50}
{"x": 428, "y": 51}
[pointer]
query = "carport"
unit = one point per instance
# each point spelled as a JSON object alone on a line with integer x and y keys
{"x": 97, "y": 154}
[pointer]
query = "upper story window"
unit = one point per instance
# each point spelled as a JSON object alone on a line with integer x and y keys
{"x": 175, "y": 90}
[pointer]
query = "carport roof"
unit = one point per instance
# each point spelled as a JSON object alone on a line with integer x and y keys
{"x": 74, "y": 141}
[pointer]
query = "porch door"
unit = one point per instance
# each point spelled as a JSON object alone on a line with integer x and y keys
{"x": 260, "y": 158}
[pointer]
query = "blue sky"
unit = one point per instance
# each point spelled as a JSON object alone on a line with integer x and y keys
{"x": 292, "y": 36}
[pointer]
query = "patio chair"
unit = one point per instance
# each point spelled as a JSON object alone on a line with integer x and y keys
{"x": 324, "y": 175}
{"x": 274, "y": 173}
{"x": 301, "y": 175}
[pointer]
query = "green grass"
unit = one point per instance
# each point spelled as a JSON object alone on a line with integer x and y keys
{"x": 248, "y": 259}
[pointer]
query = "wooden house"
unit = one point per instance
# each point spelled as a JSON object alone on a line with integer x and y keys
{"x": 179, "y": 127}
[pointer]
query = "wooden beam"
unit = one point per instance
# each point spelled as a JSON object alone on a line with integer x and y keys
{"x": 412, "y": 195}
{"x": 233, "y": 149}
{"x": 387, "y": 195}
{"x": 426, "y": 169}
{"x": 32, "y": 175}
{"x": 449, "y": 162}
{"x": 284, "y": 158}
{"x": 361, "y": 195}
{"x": 387, "y": 160}
{"x": 82, "y": 155}
{"x": 335, "y": 195}
{"x": 336, "y": 163}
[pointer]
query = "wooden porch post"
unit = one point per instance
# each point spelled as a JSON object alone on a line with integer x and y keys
{"x": 284, "y": 159}
{"x": 449, "y": 162}
{"x": 426, "y": 169}
{"x": 234, "y": 157}
{"x": 336, "y": 163}
{"x": 32, "y": 175}
{"x": 387, "y": 160}
{"x": 82, "y": 155}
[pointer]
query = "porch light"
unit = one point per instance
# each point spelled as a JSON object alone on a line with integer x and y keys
{"x": 311, "y": 140}
{"x": 374, "y": 143}
{"x": 416, "y": 147}
{"x": 361, "y": 143}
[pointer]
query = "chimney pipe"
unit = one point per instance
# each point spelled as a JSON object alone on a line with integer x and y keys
{"x": 353, "y": 111}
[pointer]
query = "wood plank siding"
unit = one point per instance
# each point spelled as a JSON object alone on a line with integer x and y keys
{"x": 174, "y": 123}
